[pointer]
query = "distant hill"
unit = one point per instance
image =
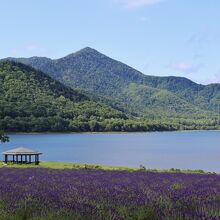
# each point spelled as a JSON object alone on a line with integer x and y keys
{"x": 109, "y": 81}
{"x": 32, "y": 101}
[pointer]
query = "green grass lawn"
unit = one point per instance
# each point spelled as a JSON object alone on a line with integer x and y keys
{"x": 65, "y": 165}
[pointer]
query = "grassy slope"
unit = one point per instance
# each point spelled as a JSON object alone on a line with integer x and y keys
{"x": 65, "y": 165}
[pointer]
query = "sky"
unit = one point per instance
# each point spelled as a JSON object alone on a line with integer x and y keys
{"x": 157, "y": 37}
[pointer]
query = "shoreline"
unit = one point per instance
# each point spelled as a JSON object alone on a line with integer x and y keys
{"x": 75, "y": 166}
{"x": 112, "y": 132}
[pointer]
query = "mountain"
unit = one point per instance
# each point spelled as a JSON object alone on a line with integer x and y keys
{"x": 122, "y": 87}
{"x": 30, "y": 100}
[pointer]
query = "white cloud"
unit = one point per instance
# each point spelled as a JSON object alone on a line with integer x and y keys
{"x": 137, "y": 3}
{"x": 185, "y": 67}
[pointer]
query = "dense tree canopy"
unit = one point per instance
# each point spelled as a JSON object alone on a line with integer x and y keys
{"x": 125, "y": 88}
{"x": 31, "y": 101}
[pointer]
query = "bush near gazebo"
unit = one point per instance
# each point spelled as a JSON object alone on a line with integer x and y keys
{"x": 3, "y": 137}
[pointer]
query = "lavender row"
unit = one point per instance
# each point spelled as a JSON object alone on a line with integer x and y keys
{"x": 97, "y": 194}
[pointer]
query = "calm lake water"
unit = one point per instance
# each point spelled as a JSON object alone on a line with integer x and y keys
{"x": 163, "y": 150}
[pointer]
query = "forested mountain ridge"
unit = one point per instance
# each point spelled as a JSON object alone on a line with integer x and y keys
{"x": 32, "y": 101}
{"x": 127, "y": 89}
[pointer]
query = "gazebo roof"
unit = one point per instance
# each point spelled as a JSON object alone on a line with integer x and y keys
{"x": 20, "y": 151}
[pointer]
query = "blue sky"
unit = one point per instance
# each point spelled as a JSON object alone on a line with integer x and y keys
{"x": 157, "y": 37}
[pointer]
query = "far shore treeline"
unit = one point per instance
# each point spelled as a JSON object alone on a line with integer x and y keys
{"x": 31, "y": 101}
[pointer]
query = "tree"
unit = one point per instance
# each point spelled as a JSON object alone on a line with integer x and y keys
{"x": 3, "y": 137}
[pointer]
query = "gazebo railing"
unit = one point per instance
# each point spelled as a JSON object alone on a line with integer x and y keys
{"x": 22, "y": 158}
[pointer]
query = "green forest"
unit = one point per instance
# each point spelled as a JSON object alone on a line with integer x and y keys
{"x": 32, "y": 101}
{"x": 122, "y": 87}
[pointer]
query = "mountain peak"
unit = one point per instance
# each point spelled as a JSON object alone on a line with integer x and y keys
{"x": 88, "y": 50}
{"x": 85, "y": 52}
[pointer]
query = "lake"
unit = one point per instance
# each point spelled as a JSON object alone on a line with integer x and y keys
{"x": 162, "y": 150}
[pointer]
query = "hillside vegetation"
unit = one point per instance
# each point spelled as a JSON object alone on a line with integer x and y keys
{"x": 136, "y": 102}
{"x": 30, "y": 100}
{"x": 127, "y": 89}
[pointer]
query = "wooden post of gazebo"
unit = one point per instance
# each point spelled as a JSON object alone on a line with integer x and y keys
{"x": 21, "y": 151}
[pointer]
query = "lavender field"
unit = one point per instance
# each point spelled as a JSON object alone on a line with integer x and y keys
{"x": 37, "y": 193}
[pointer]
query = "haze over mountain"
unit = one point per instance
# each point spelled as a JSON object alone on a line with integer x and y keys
{"x": 125, "y": 88}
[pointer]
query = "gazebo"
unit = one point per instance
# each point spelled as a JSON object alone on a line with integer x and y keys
{"x": 21, "y": 155}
